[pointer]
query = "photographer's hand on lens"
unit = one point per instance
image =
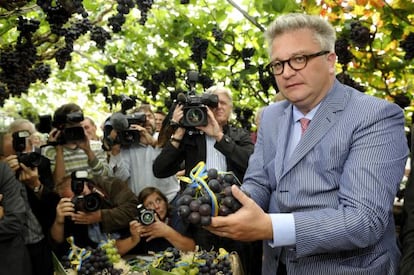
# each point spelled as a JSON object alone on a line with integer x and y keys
{"x": 239, "y": 225}
{"x": 65, "y": 208}
{"x": 135, "y": 229}
{"x": 157, "y": 229}
{"x": 178, "y": 113}
{"x": 13, "y": 162}
{"x": 212, "y": 129}
{"x": 80, "y": 217}
{"x": 29, "y": 176}
{"x": 53, "y": 136}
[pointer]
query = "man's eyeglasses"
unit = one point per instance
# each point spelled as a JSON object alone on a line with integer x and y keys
{"x": 297, "y": 62}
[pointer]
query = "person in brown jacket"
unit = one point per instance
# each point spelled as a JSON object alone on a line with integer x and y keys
{"x": 91, "y": 210}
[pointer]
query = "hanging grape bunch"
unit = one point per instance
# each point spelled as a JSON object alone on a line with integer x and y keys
{"x": 209, "y": 194}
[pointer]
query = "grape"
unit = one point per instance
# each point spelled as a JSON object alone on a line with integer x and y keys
{"x": 205, "y": 210}
{"x": 212, "y": 173}
{"x": 184, "y": 211}
{"x": 194, "y": 218}
{"x": 195, "y": 205}
{"x": 408, "y": 46}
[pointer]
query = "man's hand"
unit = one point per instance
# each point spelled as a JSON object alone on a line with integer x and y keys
{"x": 29, "y": 176}
{"x": 64, "y": 208}
{"x": 249, "y": 223}
{"x": 86, "y": 217}
{"x": 212, "y": 129}
{"x": 13, "y": 162}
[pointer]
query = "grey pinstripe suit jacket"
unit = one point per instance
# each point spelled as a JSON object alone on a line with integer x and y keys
{"x": 340, "y": 183}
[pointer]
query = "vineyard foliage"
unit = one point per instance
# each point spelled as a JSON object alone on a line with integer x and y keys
{"x": 93, "y": 51}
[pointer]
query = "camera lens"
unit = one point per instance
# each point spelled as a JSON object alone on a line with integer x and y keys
{"x": 147, "y": 217}
{"x": 195, "y": 116}
{"x": 92, "y": 202}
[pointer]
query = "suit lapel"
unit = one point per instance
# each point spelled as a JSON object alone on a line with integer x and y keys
{"x": 283, "y": 134}
{"x": 323, "y": 120}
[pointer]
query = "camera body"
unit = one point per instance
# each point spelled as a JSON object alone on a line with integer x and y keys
{"x": 195, "y": 109}
{"x": 31, "y": 159}
{"x": 71, "y": 133}
{"x": 86, "y": 203}
{"x": 121, "y": 123}
{"x": 145, "y": 216}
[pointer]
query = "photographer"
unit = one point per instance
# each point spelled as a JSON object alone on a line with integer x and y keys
{"x": 155, "y": 228}
{"x": 13, "y": 252}
{"x": 90, "y": 210}
{"x": 68, "y": 147}
{"x": 221, "y": 146}
{"x": 135, "y": 155}
{"x": 33, "y": 171}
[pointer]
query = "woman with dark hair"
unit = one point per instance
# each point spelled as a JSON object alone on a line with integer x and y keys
{"x": 156, "y": 227}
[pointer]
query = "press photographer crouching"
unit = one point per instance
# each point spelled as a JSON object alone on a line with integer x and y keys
{"x": 68, "y": 148}
{"x": 91, "y": 210}
{"x": 155, "y": 228}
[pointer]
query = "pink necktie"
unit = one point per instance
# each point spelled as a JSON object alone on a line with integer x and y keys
{"x": 304, "y": 123}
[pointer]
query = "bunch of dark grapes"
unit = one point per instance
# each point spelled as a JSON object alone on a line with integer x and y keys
{"x": 246, "y": 55}
{"x": 360, "y": 35}
{"x": 17, "y": 63}
{"x": 402, "y": 100}
{"x": 199, "y": 49}
{"x": 116, "y": 22}
{"x": 97, "y": 262}
{"x": 170, "y": 257}
{"x": 195, "y": 204}
{"x": 214, "y": 264}
{"x": 217, "y": 34}
{"x": 123, "y": 8}
{"x": 144, "y": 7}
{"x": 205, "y": 81}
{"x": 184, "y": 2}
{"x": 100, "y": 36}
{"x": 201, "y": 262}
{"x": 408, "y": 46}
{"x": 347, "y": 80}
{"x": 342, "y": 51}
{"x": 56, "y": 14}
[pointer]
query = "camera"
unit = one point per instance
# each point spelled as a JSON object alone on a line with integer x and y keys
{"x": 194, "y": 106}
{"x": 121, "y": 123}
{"x": 31, "y": 159}
{"x": 72, "y": 133}
{"x": 145, "y": 216}
{"x": 87, "y": 203}
{"x": 195, "y": 109}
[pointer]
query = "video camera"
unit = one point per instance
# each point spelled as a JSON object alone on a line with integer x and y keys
{"x": 145, "y": 216}
{"x": 69, "y": 133}
{"x": 87, "y": 203}
{"x": 31, "y": 159}
{"x": 194, "y": 106}
{"x": 121, "y": 123}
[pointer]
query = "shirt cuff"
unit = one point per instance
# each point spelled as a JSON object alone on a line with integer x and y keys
{"x": 284, "y": 233}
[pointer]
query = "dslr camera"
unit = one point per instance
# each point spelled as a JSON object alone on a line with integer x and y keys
{"x": 121, "y": 123}
{"x": 72, "y": 133}
{"x": 145, "y": 216}
{"x": 194, "y": 106}
{"x": 86, "y": 203}
{"x": 31, "y": 159}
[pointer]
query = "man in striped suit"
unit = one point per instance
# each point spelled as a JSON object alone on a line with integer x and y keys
{"x": 321, "y": 192}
